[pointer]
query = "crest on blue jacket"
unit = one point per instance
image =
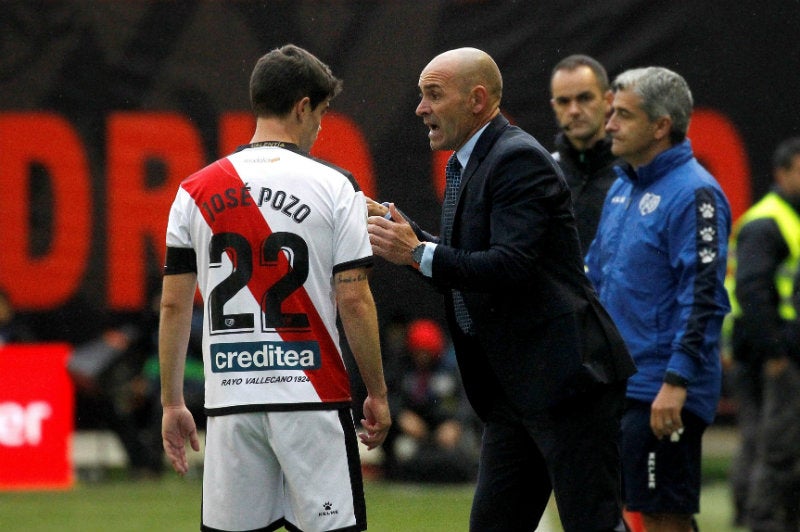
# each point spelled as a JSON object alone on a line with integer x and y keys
{"x": 649, "y": 203}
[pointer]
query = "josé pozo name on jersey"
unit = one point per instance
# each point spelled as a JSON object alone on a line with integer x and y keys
{"x": 264, "y": 356}
{"x": 279, "y": 200}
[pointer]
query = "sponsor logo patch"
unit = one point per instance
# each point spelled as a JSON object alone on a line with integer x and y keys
{"x": 264, "y": 356}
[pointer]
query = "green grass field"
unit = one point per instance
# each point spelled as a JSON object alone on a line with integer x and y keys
{"x": 172, "y": 504}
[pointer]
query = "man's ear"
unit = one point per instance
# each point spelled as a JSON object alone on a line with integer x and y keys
{"x": 663, "y": 126}
{"x": 301, "y": 107}
{"x": 608, "y": 96}
{"x": 478, "y": 97}
{"x": 781, "y": 178}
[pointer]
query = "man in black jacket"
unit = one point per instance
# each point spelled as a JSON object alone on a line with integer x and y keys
{"x": 541, "y": 361}
{"x": 581, "y": 99}
{"x": 766, "y": 376}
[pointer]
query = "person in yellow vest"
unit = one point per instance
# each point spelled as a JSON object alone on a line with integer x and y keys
{"x": 763, "y": 261}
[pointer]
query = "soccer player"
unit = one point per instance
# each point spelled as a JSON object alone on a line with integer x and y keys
{"x": 276, "y": 241}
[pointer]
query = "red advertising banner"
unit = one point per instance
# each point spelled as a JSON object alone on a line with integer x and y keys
{"x": 36, "y": 417}
{"x": 107, "y": 106}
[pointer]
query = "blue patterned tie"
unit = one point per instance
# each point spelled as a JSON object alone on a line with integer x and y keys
{"x": 452, "y": 180}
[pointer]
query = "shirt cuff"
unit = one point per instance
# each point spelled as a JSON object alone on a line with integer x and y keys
{"x": 426, "y": 264}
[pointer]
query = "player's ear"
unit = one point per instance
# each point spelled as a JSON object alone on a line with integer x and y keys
{"x": 302, "y": 107}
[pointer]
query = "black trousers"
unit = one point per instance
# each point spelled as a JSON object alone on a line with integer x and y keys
{"x": 571, "y": 450}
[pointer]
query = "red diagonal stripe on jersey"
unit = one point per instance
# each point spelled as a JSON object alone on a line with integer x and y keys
{"x": 330, "y": 381}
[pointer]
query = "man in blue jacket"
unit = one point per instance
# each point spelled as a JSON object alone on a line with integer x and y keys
{"x": 658, "y": 262}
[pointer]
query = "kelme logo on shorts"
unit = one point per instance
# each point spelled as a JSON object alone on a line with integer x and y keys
{"x": 264, "y": 356}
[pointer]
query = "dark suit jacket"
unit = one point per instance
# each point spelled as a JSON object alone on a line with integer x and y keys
{"x": 541, "y": 335}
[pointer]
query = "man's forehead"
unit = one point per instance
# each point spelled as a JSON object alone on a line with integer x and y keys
{"x": 573, "y": 92}
{"x": 439, "y": 72}
{"x": 429, "y": 84}
{"x": 433, "y": 80}
{"x": 628, "y": 99}
{"x": 574, "y": 81}
{"x": 580, "y": 71}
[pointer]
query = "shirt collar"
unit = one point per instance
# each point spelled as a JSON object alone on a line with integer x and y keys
{"x": 465, "y": 152}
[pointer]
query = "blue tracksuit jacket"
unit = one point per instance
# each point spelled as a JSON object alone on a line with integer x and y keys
{"x": 658, "y": 262}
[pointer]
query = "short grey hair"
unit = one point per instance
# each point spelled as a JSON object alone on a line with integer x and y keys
{"x": 663, "y": 93}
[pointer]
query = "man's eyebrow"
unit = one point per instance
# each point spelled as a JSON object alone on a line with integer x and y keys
{"x": 567, "y": 97}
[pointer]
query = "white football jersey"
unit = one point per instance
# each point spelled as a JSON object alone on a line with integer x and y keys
{"x": 270, "y": 226}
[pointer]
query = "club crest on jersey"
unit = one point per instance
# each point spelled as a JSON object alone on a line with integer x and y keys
{"x": 649, "y": 203}
{"x": 264, "y": 356}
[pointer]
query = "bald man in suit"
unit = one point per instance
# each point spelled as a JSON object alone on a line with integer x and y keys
{"x": 542, "y": 363}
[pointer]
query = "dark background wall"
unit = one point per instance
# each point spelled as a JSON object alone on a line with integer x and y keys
{"x": 86, "y": 63}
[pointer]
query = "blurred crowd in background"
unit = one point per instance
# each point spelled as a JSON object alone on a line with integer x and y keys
{"x": 434, "y": 439}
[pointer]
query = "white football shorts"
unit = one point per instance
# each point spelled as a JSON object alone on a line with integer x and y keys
{"x": 298, "y": 469}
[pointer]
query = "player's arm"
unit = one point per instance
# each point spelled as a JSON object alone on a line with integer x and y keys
{"x": 177, "y": 299}
{"x": 360, "y": 321}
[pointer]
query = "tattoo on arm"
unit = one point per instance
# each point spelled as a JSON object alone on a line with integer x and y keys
{"x": 351, "y": 277}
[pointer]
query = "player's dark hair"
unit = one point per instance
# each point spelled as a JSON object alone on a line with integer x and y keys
{"x": 286, "y": 75}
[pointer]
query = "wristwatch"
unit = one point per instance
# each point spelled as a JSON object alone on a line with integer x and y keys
{"x": 417, "y": 252}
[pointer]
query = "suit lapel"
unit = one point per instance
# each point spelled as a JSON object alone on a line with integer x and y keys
{"x": 479, "y": 153}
